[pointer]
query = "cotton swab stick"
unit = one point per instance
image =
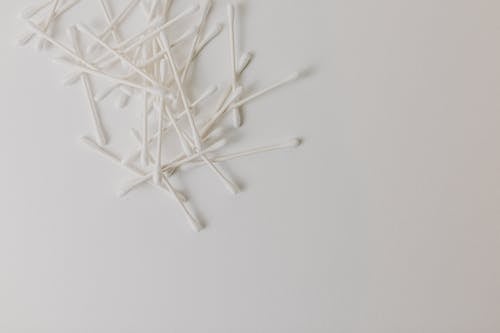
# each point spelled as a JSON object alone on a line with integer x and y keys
{"x": 139, "y": 71}
{"x": 145, "y": 131}
{"x": 211, "y": 35}
{"x": 27, "y": 36}
{"x": 185, "y": 145}
{"x": 250, "y": 98}
{"x": 61, "y": 46}
{"x": 174, "y": 129}
{"x": 153, "y": 11}
{"x": 230, "y": 185}
{"x": 42, "y": 42}
{"x": 206, "y": 11}
{"x": 137, "y": 136}
{"x": 157, "y": 173}
{"x": 162, "y": 54}
{"x": 290, "y": 144}
{"x": 151, "y": 90}
{"x": 126, "y": 47}
{"x": 141, "y": 180}
{"x": 186, "y": 104}
{"x": 206, "y": 129}
{"x": 166, "y": 8}
{"x": 32, "y": 10}
{"x": 237, "y": 120}
{"x": 215, "y": 118}
{"x": 195, "y": 224}
{"x": 137, "y": 153}
{"x": 90, "y": 69}
{"x": 96, "y": 118}
{"x": 147, "y": 34}
{"x": 209, "y": 125}
{"x": 206, "y": 94}
{"x": 117, "y": 160}
{"x": 109, "y": 20}
{"x": 117, "y": 20}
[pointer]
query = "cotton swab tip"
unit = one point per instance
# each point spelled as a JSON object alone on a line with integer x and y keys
{"x": 24, "y": 39}
{"x": 71, "y": 79}
{"x": 71, "y": 32}
{"x": 245, "y": 59}
{"x": 197, "y": 226}
{"x": 191, "y": 10}
{"x": 212, "y": 89}
{"x": 294, "y": 76}
{"x": 233, "y": 188}
{"x": 294, "y": 143}
{"x": 238, "y": 91}
{"x": 28, "y": 12}
{"x": 218, "y": 144}
{"x": 82, "y": 27}
{"x": 122, "y": 101}
{"x": 216, "y": 29}
{"x": 230, "y": 11}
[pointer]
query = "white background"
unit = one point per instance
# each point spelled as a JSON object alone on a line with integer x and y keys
{"x": 387, "y": 219}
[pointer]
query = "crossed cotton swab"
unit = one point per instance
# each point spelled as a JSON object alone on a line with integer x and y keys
{"x": 27, "y": 36}
{"x": 32, "y": 10}
{"x": 185, "y": 102}
{"x": 148, "y": 68}
{"x": 168, "y": 167}
{"x": 196, "y": 40}
{"x": 107, "y": 15}
{"x": 289, "y": 144}
{"x": 116, "y": 21}
{"x": 101, "y": 134}
{"x": 117, "y": 160}
{"x": 237, "y": 118}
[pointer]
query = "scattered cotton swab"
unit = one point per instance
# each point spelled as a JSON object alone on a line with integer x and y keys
{"x": 158, "y": 71}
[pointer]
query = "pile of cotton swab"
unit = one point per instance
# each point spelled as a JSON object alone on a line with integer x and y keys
{"x": 145, "y": 66}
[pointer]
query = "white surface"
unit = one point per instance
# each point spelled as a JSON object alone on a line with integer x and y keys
{"x": 386, "y": 220}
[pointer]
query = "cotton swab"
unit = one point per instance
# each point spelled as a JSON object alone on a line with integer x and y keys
{"x": 290, "y": 144}
{"x": 141, "y": 180}
{"x": 109, "y": 20}
{"x": 245, "y": 60}
{"x": 206, "y": 94}
{"x": 138, "y": 138}
{"x": 27, "y": 36}
{"x": 174, "y": 128}
{"x": 157, "y": 173}
{"x": 211, "y": 35}
{"x": 208, "y": 126}
{"x": 117, "y": 20}
{"x": 206, "y": 11}
{"x": 96, "y": 118}
{"x": 215, "y": 117}
{"x": 139, "y": 71}
{"x": 32, "y": 10}
{"x": 137, "y": 153}
{"x": 145, "y": 35}
{"x": 195, "y": 224}
{"x": 250, "y": 98}
{"x": 186, "y": 104}
{"x": 237, "y": 120}
{"x": 153, "y": 10}
{"x": 151, "y": 90}
{"x": 117, "y": 160}
{"x": 145, "y": 131}
{"x": 162, "y": 54}
{"x": 42, "y": 42}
